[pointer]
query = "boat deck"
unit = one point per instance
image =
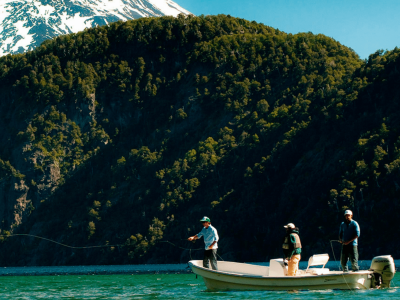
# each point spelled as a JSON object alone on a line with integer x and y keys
{"x": 257, "y": 271}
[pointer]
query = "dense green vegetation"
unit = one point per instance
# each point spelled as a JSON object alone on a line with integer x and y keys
{"x": 128, "y": 134}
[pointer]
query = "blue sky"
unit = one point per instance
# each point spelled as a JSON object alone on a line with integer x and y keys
{"x": 365, "y": 26}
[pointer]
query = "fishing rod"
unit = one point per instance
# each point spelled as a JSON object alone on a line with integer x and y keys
{"x": 86, "y": 247}
{"x": 340, "y": 267}
{"x": 333, "y": 252}
{"x": 189, "y": 249}
{"x": 181, "y": 247}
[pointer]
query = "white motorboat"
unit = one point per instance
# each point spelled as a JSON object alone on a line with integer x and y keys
{"x": 241, "y": 276}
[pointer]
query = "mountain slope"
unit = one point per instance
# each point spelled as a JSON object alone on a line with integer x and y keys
{"x": 25, "y": 24}
{"x": 127, "y": 134}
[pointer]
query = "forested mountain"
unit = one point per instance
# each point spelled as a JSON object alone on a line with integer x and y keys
{"x": 128, "y": 134}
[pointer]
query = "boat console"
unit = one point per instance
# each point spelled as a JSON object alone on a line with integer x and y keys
{"x": 277, "y": 268}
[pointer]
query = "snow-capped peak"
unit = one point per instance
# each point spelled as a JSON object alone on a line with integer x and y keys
{"x": 25, "y": 24}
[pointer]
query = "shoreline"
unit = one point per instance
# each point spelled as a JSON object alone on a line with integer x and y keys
{"x": 134, "y": 269}
{"x": 95, "y": 270}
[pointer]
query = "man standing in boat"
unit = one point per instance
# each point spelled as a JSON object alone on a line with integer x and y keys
{"x": 348, "y": 237}
{"x": 292, "y": 248}
{"x": 211, "y": 238}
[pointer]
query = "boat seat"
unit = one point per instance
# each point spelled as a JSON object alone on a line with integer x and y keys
{"x": 318, "y": 271}
{"x": 318, "y": 260}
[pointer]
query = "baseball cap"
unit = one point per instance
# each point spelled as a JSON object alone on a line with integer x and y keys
{"x": 290, "y": 225}
{"x": 348, "y": 212}
{"x": 205, "y": 219}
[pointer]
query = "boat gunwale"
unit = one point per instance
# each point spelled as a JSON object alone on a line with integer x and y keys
{"x": 346, "y": 274}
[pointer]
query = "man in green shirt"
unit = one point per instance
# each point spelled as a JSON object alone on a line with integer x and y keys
{"x": 292, "y": 248}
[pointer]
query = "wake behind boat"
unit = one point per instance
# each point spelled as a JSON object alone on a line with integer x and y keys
{"x": 241, "y": 276}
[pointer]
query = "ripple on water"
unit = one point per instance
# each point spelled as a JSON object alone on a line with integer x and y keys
{"x": 157, "y": 286}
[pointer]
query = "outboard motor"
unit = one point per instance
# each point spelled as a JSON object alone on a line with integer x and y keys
{"x": 384, "y": 270}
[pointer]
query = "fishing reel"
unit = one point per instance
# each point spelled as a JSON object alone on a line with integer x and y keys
{"x": 285, "y": 262}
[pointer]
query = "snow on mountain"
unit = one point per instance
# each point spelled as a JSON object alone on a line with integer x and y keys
{"x": 25, "y": 24}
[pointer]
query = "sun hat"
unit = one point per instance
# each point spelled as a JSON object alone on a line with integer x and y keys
{"x": 290, "y": 225}
{"x": 348, "y": 212}
{"x": 205, "y": 219}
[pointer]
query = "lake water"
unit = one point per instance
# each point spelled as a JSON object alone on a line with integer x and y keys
{"x": 151, "y": 286}
{"x": 155, "y": 286}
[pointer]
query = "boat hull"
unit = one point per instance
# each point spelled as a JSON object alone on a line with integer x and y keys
{"x": 219, "y": 280}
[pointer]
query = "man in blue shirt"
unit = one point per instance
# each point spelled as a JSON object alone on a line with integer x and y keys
{"x": 348, "y": 236}
{"x": 211, "y": 238}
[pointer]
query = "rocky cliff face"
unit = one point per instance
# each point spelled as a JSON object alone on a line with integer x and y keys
{"x": 23, "y": 189}
{"x": 14, "y": 203}
{"x": 25, "y": 24}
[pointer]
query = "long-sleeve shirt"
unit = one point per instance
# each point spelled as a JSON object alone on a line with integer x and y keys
{"x": 210, "y": 235}
{"x": 349, "y": 231}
